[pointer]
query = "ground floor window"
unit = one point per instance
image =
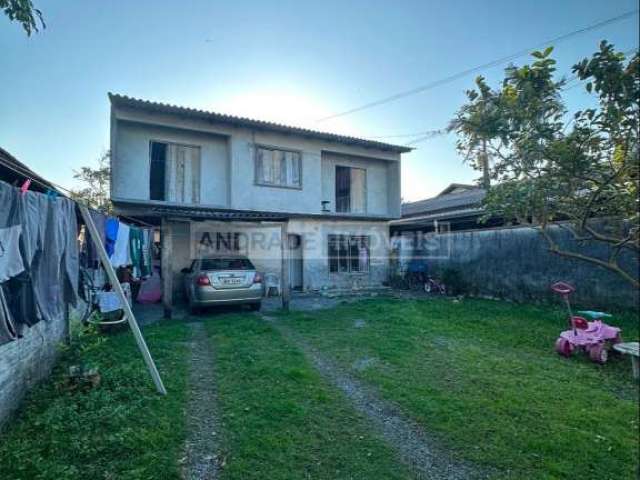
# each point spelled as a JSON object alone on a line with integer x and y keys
{"x": 348, "y": 253}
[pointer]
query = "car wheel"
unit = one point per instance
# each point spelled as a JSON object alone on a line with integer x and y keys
{"x": 598, "y": 353}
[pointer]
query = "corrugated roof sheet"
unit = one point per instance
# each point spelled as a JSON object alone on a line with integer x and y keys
{"x": 11, "y": 169}
{"x": 125, "y": 101}
{"x": 447, "y": 202}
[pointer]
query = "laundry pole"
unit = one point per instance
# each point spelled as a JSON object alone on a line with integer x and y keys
{"x": 113, "y": 279}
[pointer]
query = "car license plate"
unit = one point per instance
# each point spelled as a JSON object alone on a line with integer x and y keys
{"x": 232, "y": 281}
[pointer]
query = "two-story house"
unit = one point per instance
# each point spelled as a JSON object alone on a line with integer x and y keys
{"x": 218, "y": 182}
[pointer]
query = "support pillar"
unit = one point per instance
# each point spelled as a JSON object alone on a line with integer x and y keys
{"x": 167, "y": 268}
{"x": 284, "y": 248}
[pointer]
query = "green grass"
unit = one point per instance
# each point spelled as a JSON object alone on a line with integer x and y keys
{"x": 121, "y": 430}
{"x": 280, "y": 420}
{"x": 483, "y": 377}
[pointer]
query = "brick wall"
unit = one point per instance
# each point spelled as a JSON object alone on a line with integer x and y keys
{"x": 28, "y": 360}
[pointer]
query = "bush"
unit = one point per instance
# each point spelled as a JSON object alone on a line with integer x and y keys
{"x": 454, "y": 281}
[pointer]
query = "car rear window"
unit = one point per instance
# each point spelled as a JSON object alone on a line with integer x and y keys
{"x": 226, "y": 264}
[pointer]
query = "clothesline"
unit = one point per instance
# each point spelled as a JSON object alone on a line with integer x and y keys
{"x": 68, "y": 196}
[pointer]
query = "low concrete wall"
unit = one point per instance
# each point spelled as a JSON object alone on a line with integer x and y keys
{"x": 28, "y": 360}
{"x": 515, "y": 263}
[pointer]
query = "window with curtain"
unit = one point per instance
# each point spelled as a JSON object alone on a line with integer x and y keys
{"x": 348, "y": 253}
{"x": 278, "y": 168}
{"x": 175, "y": 173}
{"x": 351, "y": 190}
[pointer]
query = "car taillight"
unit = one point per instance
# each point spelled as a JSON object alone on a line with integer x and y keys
{"x": 257, "y": 278}
{"x": 203, "y": 280}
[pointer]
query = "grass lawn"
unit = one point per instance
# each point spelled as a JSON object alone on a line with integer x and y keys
{"x": 122, "y": 429}
{"x": 483, "y": 377}
{"x": 280, "y": 420}
{"x": 480, "y": 376}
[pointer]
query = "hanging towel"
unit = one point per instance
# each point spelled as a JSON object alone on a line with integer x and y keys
{"x": 146, "y": 252}
{"x": 135, "y": 250}
{"x": 110, "y": 234}
{"x": 121, "y": 253}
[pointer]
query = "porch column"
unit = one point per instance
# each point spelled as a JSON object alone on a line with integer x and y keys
{"x": 167, "y": 270}
{"x": 284, "y": 248}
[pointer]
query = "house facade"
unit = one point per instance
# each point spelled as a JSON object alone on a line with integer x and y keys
{"x": 215, "y": 182}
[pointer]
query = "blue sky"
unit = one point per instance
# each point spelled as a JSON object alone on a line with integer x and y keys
{"x": 288, "y": 61}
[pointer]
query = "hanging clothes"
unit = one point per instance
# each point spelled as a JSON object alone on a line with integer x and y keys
{"x": 32, "y": 213}
{"x": 121, "y": 251}
{"x": 135, "y": 250}
{"x": 10, "y": 258}
{"x": 70, "y": 256}
{"x": 110, "y": 234}
{"x": 7, "y": 329}
{"x": 146, "y": 252}
{"x": 89, "y": 254}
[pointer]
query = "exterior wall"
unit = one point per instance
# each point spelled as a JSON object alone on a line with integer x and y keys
{"x": 26, "y": 361}
{"x": 316, "y": 275}
{"x": 261, "y": 243}
{"x": 131, "y": 169}
{"x": 515, "y": 263}
{"x": 377, "y": 185}
{"x": 229, "y": 180}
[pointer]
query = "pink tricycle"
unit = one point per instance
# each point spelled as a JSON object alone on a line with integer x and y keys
{"x": 595, "y": 338}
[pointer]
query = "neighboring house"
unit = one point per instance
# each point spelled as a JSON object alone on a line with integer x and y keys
{"x": 218, "y": 182}
{"x": 457, "y": 207}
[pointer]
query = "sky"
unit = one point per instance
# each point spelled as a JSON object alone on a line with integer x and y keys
{"x": 293, "y": 62}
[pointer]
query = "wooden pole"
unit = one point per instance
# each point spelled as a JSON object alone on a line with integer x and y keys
{"x": 284, "y": 249}
{"x": 113, "y": 279}
{"x": 167, "y": 270}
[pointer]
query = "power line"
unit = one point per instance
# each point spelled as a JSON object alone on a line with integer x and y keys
{"x": 570, "y": 83}
{"x": 493, "y": 63}
{"x": 49, "y": 184}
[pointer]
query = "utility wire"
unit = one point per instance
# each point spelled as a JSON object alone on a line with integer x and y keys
{"x": 493, "y": 63}
{"x": 570, "y": 83}
{"x": 48, "y": 185}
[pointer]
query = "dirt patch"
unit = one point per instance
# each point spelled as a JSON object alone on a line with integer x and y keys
{"x": 201, "y": 450}
{"x": 412, "y": 444}
{"x": 359, "y": 323}
{"x": 364, "y": 363}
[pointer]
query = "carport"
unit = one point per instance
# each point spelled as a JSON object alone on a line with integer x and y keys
{"x": 179, "y": 224}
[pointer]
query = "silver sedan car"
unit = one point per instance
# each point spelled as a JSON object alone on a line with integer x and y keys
{"x": 223, "y": 280}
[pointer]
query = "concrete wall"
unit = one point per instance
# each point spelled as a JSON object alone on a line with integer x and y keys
{"x": 262, "y": 245}
{"x": 131, "y": 168}
{"x": 515, "y": 263}
{"x": 28, "y": 360}
{"x": 230, "y": 158}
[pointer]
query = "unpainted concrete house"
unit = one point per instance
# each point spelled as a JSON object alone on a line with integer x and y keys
{"x": 216, "y": 183}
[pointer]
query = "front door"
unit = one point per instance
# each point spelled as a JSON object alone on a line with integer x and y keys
{"x": 295, "y": 262}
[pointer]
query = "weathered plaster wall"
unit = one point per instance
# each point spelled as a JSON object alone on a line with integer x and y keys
{"x": 131, "y": 168}
{"x": 262, "y": 245}
{"x": 235, "y": 187}
{"x": 28, "y": 360}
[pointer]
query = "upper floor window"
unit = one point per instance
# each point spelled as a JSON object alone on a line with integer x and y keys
{"x": 278, "y": 168}
{"x": 175, "y": 172}
{"x": 351, "y": 190}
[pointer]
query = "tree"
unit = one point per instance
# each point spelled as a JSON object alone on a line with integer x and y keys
{"x": 584, "y": 171}
{"x": 23, "y": 12}
{"x": 479, "y": 125}
{"x": 95, "y": 192}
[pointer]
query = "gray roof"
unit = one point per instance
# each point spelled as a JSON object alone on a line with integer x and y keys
{"x": 130, "y": 102}
{"x": 448, "y": 202}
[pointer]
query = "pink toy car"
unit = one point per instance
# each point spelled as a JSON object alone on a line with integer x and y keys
{"x": 595, "y": 337}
